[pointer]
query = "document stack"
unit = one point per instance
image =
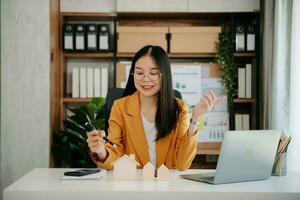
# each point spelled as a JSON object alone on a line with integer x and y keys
{"x": 88, "y": 82}
{"x": 242, "y": 122}
{"x": 245, "y": 82}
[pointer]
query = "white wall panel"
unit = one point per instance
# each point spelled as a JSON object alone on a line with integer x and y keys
{"x": 152, "y": 5}
{"x": 25, "y": 87}
{"x": 223, "y": 5}
{"x": 87, "y": 6}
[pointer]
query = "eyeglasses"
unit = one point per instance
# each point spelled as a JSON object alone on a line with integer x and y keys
{"x": 153, "y": 76}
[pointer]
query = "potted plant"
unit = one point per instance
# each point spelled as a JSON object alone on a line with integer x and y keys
{"x": 70, "y": 148}
{"x": 226, "y": 60}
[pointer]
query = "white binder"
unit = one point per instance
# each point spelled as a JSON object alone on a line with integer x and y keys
{"x": 241, "y": 83}
{"x": 97, "y": 82}
{"x": 75, "y": 83}
{"x": 90, "y": 82}
{"x": 104, "y": 81}
{"x": 248, "y": 80}
{"x": 82, "y": 82}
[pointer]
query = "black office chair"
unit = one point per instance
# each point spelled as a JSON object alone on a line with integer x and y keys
{"x": 117, "y": 93}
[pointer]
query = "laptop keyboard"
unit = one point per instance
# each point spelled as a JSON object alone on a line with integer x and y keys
{"x": 208, "y": 177}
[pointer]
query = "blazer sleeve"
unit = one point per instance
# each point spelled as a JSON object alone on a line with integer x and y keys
{"x": 186, "y": 146}
{"x": 116, "y": 122}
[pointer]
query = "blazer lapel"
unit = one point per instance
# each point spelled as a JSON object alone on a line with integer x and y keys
{"x": 136, "y": 128}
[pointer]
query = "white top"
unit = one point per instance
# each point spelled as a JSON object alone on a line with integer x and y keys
{"x": 46, "y": 184}
{"x": 151, "y": 132}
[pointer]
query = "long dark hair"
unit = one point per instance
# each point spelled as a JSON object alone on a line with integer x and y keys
{"x": 167, "y": 108}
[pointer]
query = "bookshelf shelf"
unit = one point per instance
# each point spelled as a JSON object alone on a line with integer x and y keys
{"x": 250, "y": 100}
{"x": 76, "y": 100}
{"x": 196, "y": 55}
{"x": 245, "y": 54}
{"x": 191, "y": 55}
{"x": 88, "y": 55}
{"x": 125, "y": 55}
{"x": 86, "y": 14}
{"x": 175, "y": 55}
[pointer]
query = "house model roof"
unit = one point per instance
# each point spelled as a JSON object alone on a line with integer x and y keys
{"x": 131, "y": 158}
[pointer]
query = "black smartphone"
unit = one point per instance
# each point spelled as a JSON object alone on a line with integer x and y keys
{"x": 82, "y": 172}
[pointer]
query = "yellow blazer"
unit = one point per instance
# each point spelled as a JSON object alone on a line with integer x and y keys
{"x": 126, "y": 130}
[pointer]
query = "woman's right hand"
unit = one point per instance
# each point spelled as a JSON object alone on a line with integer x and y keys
{"x": 95, "y": 141}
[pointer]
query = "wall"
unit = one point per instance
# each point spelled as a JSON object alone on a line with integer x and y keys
{"x": 159, "y": 5}
{"x": 293, "y": 153}
{"x": 224, "y": 6}
{"x": 187, "y": 5}
{"x": 87, "y": 5}
{"x": 25, "y": 54}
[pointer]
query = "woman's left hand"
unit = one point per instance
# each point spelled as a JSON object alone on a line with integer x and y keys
{"x": 206, "y": 104}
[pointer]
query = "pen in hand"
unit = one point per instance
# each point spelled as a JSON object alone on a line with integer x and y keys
{"x": 90, "y": 127}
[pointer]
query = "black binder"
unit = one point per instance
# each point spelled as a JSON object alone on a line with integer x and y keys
{"x": 240, "y": 37}
{"x": 251, "y": 36}
{"x": 91, "y": 37}
{"x": 103, "y": 37}
{"x": 68, "y": 37}
{"x": 79, "y": 37}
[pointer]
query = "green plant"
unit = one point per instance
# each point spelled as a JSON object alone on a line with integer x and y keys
{"x": 69, "y": 147}
{"x": 226, "y": 60}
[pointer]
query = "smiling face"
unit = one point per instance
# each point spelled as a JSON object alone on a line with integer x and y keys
{"x": 147, "y": 76}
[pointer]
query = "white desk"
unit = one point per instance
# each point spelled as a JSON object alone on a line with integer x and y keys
{"x": 44, "y": 184}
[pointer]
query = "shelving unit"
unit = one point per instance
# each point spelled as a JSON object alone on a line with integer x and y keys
{"x": 101, "y": 57}
{"x": 157, "y": 19}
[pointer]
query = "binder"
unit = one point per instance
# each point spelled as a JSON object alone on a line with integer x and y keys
{"x": 82, "y": 80}
{"x": 103, "y": 37}
{"x": 238, "y": 122}
{"x": 241, "y": 83}
{"x": 240, "y": 37}
{"x": 246, "y": 122}
{"x": 68, "y": 37}
{"x": 80, "y": 37}
{"x": 104, "y": 81}
{"x": 251, "y": 30}
{"x": 248, "y": 80}
{"x": 90, "y": 82}
{"x": 91, "y": 37}
{"x": 75, "y": 83}
{"x": 97, "y": 82}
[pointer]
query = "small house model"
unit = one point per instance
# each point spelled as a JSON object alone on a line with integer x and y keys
{"x": 162, "y": 173}
{"x": 125, "y": 168}
{"x": 148, "y": 172}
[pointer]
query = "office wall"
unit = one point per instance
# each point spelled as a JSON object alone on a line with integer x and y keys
{"x": 87, "y": 5}
{"x": 224, "y": 6}
{"x": 25, "y": 61}
{"x": 294, "y": 150}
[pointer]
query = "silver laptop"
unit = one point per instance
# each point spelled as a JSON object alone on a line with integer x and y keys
{"x": 244, "y": 156}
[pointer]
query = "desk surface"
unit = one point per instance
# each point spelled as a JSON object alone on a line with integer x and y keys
{"x": 44, "y": 184}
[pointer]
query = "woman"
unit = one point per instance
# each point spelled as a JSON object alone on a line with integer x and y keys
{"x": 149, "y": 121}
